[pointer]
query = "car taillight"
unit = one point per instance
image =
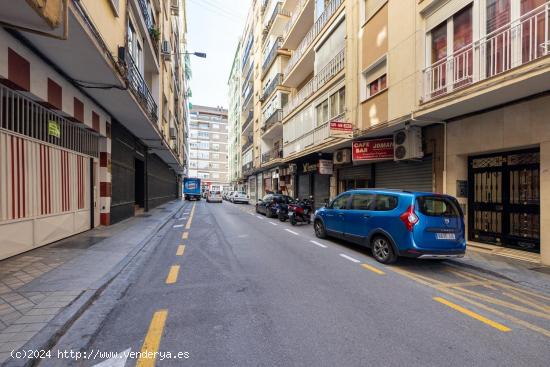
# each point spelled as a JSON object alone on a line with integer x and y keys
{"x": 409, "y": 218}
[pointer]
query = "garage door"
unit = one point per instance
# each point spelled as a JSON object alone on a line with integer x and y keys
{"x": 406, "y": 175}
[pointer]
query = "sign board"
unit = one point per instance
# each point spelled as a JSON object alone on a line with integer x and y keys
{"x": 54, "y": 129}
{"x": 372, "y": 149}
{"x": 309, "y": 167}
{"x": 341, "y": 129}
{"x": 325, "y": 167}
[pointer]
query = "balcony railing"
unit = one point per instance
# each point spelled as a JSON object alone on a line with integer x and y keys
{"x": 295, "y": 15}
{"x": 137, "y": 85}
{"x": 271, "y": 55}
{"x": 247, "y": 99}
{"x": 275, "y": 117}
{"x": 312, "y": 34}
{"x": 277, "y": 80}
{"x": 515, "y": 44}
{"x": 314, "y": 137}
{"x": 149, "y": 21}
{"x": 247, "y": 78}
{"x": 247, "y": 144}
{"x": 248, "y": 120}
{"x": 248, "y": 168}
{"x": 272, "y": 155}
{"x": 328, "y": 72}
{"x": 277, "y": 10}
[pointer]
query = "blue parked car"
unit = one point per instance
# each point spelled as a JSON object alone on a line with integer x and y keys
{"x": 395, "y": 223}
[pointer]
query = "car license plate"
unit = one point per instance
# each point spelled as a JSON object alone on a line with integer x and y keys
{"x": 445, "y": 236}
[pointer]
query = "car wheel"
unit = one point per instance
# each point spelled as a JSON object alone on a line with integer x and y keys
{"x": 319, "y": 228}
{"x": 257, "y": 211}
{"x": 268, "y": 213}
{"x": 382, "y": 250}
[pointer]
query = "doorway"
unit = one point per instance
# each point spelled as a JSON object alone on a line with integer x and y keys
{"x": 504, "y": 199}
{"x": 139, "y": 184}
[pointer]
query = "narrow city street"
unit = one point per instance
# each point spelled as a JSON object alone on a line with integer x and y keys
{"x": 227, "y": 287}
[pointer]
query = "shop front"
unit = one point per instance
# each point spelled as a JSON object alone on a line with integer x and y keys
{"x": 313, "y": 180}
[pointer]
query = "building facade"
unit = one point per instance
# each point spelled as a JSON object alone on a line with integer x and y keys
{"x": 234, "y": 124}
{"x": 431, "y": 95}
{"x": 208, "y": 146}
{"x": 92, "y": 106}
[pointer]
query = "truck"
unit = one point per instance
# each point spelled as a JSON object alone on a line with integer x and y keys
{"x": 191, "y": 188}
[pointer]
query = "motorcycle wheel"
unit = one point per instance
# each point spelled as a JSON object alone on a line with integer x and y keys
{"x": 293, "y": 221}
{"x": 282, "y": 218}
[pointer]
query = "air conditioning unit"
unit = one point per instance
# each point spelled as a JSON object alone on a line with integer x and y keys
{"x": 407, "y": 144}
{"x": 342, "y": 156}
{"x": 172, "y": 132}
{"x": 166, "y": 50}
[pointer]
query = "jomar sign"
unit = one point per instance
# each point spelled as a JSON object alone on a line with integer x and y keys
{"x": 373, "y": 149}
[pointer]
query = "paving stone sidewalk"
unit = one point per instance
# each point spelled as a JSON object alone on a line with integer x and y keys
{"x": 37, "y": 285}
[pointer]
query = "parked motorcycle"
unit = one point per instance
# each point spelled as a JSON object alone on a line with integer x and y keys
{"x": 300, "y": 211}
{"x": 282, "y": 210}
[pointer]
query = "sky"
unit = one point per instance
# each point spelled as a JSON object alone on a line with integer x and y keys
{"x": 214, "y": 27}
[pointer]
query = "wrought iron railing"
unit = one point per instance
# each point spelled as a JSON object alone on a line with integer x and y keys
{"x": 247, "y": 98}
{"x": 137, "y": 85}
{"x": 271, "y": 55}
{"x": 312, "y": 34}
{"x": 248, "y": 120}
{"x": 277, "y": 10}
{"x": 275, "y": 117}
{"x": 512, "y": 45}
{"x": 246, "y": 81}
{"x": 247, "y": 168}
{"x": 271, "y": 155}
{"x": 247, "y": 144}
{"x": 277, "y": 80}
{"x": 328, "y": 72}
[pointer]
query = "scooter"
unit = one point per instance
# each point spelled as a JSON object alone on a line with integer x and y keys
{"x": 282, "y": 211}
{"x": 300, "y": 211}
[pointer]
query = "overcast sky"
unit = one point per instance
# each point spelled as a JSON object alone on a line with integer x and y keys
{"x": 214, "y": 27}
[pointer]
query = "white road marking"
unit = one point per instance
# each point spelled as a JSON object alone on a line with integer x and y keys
{"x": 182, "y": 218}
{"x": 318, "y": 244}
{"x": 275, "y": 224}
{"x": 178, "y": 226}
{"x": 291, "y": 231}
{"x": 252, "y": 214}
{"x": 259, "y": 216}
{"x": 350, "y": 258}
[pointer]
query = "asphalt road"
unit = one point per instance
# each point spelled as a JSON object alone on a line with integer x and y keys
{"x": 252, "y": 291}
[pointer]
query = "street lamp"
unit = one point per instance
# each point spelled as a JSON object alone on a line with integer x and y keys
{"x": 198, "y": 54}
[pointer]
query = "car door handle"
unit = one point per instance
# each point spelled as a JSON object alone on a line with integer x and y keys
{"x": 366, "y": 216}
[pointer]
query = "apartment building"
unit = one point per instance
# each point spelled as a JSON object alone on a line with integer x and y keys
{"x": 234, "y": 124}
{"x": 432, "y": 95}
{"x": 208, "y": 146}
{"x": 92, "y": 106}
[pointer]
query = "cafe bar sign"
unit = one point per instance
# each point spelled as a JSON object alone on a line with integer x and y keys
{"x": 372, "y": 149}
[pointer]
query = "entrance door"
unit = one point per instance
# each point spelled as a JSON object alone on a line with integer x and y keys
{"x": 504, "y": 199}
{"x": 139, "y": 183}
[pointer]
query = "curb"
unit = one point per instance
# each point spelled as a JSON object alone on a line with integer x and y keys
{"x": 46, "y": 338}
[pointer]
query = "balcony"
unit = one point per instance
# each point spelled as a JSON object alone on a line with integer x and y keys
{"x": 308, "y": 39}
{"x": 271, "y": 55}
{"x": 276, "y": 116}
{"x": 277, "y": 10}
{"x": 272, "y": 155}
{"x": 247, "y": 99}
{"x": 248, "y": 121}
{"x": 247, "y": 144}
{"x": 139, "y": 88}
{"x": 299, "y": 23}
{"x": 144, "y": 6}
{"x": 311, "y": 139}
{"x": 247, "y": 80}
{"x": 248, "y": 168}
{"x": 519, "y": 42}
{"x": 318, "y": 81}
{"x": 270, "y": 88}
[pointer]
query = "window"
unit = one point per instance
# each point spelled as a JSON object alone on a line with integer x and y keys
{"x": 371, "y": 7}
{"x": 216, "y": 137}
{"x": 215, "y": 126}
{"x": 362, "y": 201}
{"x": 203, "y": 134}
{"x": 215, "y": 146}
{"x": 374, "y": 78}
{"x": 385, "y": 202}
{"x": 215, "y": 156}
{"x": 438, "y": 206}
{"x": 215, "y": 165}
{"x": 322, "y": 112}
{"x": 215, "y": 175}
{"x": 330, "y": 47}
{"x": 341, "y": 202}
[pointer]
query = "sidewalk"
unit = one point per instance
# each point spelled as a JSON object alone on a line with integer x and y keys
{"x": 35, "y": 287}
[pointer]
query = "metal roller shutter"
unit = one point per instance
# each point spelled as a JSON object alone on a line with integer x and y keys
{"x": 304, "y": 186}
{"x": 321, "y": 188}
{"x": 356, "y": 172}
{"x": 410, "y": 175}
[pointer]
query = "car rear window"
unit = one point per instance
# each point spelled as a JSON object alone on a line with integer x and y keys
{"x": 437, "y": 206}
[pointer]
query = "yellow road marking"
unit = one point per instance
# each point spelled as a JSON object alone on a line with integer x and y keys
{"x": 472, "y": 314}
{"x": 527, "y": 301}
{"x": 190, "y": 220}
{"x": 185, "y": 235}
{"x": 373, "y": 269}
{"x": 181, "y": 249}
{"x": 456, "y": 295}
{"x": 173, "y": 274}
{"x": 152, "y": 339}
